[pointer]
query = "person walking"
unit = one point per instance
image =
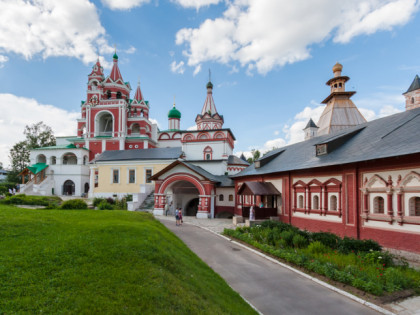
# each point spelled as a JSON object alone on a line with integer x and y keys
{"x": 176, "y": 217}
{"x": 252, "y": 213}
{"x": 180, "y": 216}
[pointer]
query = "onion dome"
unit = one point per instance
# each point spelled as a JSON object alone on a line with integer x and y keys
{"x": 174, "y": 113}
{"x": 337, "y": 68}
{"x": 115, "y": 56}
{"x": 209, "y": 85}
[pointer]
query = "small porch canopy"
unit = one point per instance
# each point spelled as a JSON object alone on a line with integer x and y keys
{"x": 38, "y": 170}
{"x": 260, "y": 192}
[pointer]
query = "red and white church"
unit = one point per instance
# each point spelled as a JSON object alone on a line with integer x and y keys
{"x": 110, "y": 119}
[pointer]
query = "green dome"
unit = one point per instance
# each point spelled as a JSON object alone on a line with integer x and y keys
{"x": 174, "y": 113}
{"x": 115, "y": 56}
{"x": 209, "y": 85}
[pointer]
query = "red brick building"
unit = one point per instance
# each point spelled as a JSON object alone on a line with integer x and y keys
{"x": 361, "y": 181}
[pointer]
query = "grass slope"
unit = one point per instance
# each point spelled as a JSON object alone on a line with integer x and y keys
{"x": 58, "y": 261}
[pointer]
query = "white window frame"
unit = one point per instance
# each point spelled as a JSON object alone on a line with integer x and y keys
{"x": 128, "y": 175}
{"x": 112, "y": 175}
{"x": 145, "y": 174}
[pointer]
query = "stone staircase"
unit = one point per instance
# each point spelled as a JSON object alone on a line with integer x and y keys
{"x": 148, "y": 204}
{"x": 41, "y": 189}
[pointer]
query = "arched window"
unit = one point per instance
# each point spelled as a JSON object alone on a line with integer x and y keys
{"x": 104, "y": 124}
{"x": 53, "y": 160}
{"x": 208, "y": 153}
{"x": 108, "y": 94}
{"x": 378, "y": 205}
{"x": 333, "y": 203}
{"x": 69, "y": 159}
{"x": 41, "y": 159}
{"x": 118, "y": 95}
{"x": 412, "y": 100}
{"x": 221, "y": 197}
{"x": 414, "y": 205}
{"x": 135, "y": 129}
{"x": 300, "y": 204}
{"x": 230, "y": 197}
{"x": 315, "y": 203}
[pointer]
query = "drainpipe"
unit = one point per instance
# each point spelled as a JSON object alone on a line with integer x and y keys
{"x": 358, "y": 208}
{"x": 289, "y": 203}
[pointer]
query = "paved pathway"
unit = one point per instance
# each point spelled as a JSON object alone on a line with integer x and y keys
{"x": 271, "y": 288}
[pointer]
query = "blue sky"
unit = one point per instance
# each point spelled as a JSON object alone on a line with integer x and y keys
{"x": 269, "y": 60}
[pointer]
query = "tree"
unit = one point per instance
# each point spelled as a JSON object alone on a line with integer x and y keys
{"x": 255, "y": 156}
{"x": 19, "y": 157}
{"x": 39, "y": 135}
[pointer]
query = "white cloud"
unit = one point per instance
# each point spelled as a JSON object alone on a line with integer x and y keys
{"x": 123, "y": 4}
{"x": 195, "y": 3}
{"x": 17, "y": 112}
{"x": 130, "y": 50}
{"x": 51, "y": 29}
{"x": 3, "y": 60}
{"x": 177, "y": 67}
{"x": 262, "y": 35}
{"x": 192, "y": 127}
{"x": 197, "y": 70}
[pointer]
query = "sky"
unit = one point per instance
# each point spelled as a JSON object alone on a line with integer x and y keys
{"x": 269, "y": 60}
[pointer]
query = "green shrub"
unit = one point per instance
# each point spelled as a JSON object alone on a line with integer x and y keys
{"x": 348, "y": 245}
{"x": 395, "y": 280}
{"x": 129, "y": 198}
{"x": 110, "y": 200}
{"x": 97, "y": 201}
{"x": 22, "y": 199}
{"x": 104, "y": 205}
{"x": 121, "y": 204}
{"x": 299, "y": 241}
{"x": 74, "y": 204}
{"x": 287, "y": 238}
{"x": 384, "y": 259}
{"x": 317, "y": 248}
{"x": 328, "y": 239}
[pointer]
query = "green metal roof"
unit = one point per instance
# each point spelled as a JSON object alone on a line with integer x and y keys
{"x": 174, "y": 113}
{"x": 36, "y": 168}
{"x": 115, "y": 56}
{"x": 57, "y": 147}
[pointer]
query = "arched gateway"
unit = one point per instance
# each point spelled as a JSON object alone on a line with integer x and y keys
{"x": 186, "y": 191}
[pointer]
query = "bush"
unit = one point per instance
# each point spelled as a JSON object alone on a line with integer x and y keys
{"x": 395, "y": 280}
{"x": 110, "y": 200}
{"x": 97, "y": 201}
{"x": 129, "y": 198}
{"x": 348, "y": 245}
{"x": 317, "y": 248}
{"x": 74, "y": 204}
{"x": 121, "y": 204}
{"x": 104, "y": 205}
{"x": 299, "y": 241}
{"x": 328, "y": 239}
{"x": 287, "y": 237}
{"x": 22, "y": 199}
{"x": 381, "y": 258}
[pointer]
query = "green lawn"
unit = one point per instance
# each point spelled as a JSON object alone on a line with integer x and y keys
{"x": 107, "y": 262}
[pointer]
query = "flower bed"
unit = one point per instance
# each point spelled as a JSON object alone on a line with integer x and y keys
{"x": 359, "y": 263}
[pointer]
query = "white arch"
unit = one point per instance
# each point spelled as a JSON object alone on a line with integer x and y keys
{"x": 97, "y": 122}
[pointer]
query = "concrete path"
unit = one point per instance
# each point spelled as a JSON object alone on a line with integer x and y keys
{"x": 271, "y": 288}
